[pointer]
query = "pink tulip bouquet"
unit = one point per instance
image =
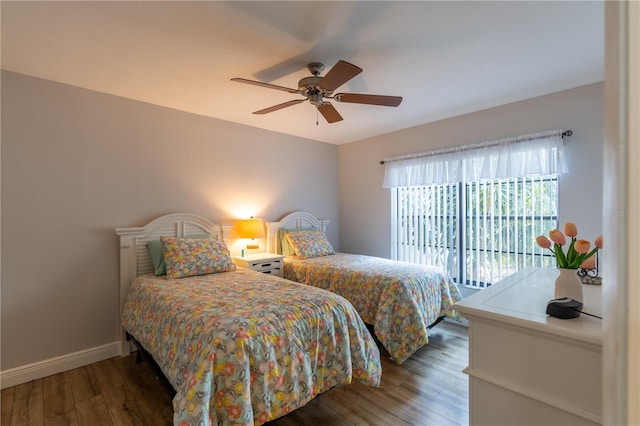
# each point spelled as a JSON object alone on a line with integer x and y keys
{"x": 578, "y": 250}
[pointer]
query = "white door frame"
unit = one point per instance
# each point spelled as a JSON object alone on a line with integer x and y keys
{"x": 621, "y": 215}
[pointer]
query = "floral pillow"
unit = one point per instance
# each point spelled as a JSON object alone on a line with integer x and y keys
{"x": 285, "y": 246}
{"x": 188, "y": 257}
{"x": 154, "y": 247}
{"x": 307, "y": 244}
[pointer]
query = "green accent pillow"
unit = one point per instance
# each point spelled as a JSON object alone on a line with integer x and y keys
{"x": 154, "y": 247}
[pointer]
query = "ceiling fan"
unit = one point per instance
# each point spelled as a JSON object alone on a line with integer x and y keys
{"x": 318, "y": 89}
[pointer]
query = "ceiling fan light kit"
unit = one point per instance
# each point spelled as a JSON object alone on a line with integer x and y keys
{"x": 317, "y": 89}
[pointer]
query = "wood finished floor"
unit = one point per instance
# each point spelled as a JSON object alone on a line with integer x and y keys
{"x": 428, "y": 389}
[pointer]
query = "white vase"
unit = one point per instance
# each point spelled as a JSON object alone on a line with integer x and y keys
{"x": 568, "y": 284}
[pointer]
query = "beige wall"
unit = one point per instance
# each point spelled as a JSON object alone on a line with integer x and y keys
{"x": 76, "y": 164}
{"x": 365, "y": 214}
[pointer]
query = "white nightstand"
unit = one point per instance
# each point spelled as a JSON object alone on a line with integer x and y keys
{"x": 267, "y": 263}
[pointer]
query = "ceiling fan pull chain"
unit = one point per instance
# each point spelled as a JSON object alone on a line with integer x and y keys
{"x": 316, "y": 116}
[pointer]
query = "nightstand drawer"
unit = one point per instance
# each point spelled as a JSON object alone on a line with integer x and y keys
{"x": 266, "y": 266}
{"x": 274, "y": 271}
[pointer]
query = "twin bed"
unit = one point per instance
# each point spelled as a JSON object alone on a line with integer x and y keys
{"x": 237, "y": 346}
{"x": 400, "y": 300}
{"x": 241, "y": 347}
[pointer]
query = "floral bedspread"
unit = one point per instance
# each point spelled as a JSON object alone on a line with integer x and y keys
{"x": 399, "y": 299}
{"x": 245, "y": 348}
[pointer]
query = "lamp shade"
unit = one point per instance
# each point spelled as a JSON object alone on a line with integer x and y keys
{"x": 251, "y": 228}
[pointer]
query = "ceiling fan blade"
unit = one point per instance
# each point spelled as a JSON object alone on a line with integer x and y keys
{"x": 356, "y": 98}
{"x": 329, "y": 113}
{"x": 280, "y": 106}
{"x": 266, "y": 85}
{"x": 339, "y": 75}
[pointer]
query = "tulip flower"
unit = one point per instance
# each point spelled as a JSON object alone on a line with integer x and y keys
{"x": 543, "y": 241}
{"x": 578, "y": 253}
{"x": 598, "y": 242}
{"x": 582, "y": 246}
{"x": 570, "y": 229}
{"x": 590, "y": 263}
{"x": 557, "y": 237}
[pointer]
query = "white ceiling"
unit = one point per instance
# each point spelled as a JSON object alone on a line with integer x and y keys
{"x": 444, "y": 58}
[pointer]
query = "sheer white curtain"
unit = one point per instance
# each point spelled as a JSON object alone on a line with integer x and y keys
{"x": 524, "y": 156}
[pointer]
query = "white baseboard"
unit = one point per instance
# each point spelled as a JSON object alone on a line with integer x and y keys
{"x": 37, "y": 370}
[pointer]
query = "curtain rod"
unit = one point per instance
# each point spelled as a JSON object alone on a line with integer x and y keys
{"x": 565, "y": 134}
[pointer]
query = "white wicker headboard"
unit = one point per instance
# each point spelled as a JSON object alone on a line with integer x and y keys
{"x": 292, "y": 221}
{"x": 135, "y": 259}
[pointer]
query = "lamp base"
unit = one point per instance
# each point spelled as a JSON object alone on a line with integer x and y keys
{"x": 253, "y": 246}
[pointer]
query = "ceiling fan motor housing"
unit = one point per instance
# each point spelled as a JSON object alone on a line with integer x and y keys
{"x": 308, "y": 86}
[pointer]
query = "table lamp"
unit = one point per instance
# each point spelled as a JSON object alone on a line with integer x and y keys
{"x": 251, "y": 228}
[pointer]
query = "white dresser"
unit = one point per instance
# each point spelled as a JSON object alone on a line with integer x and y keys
{"x": 526, "y": 368}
